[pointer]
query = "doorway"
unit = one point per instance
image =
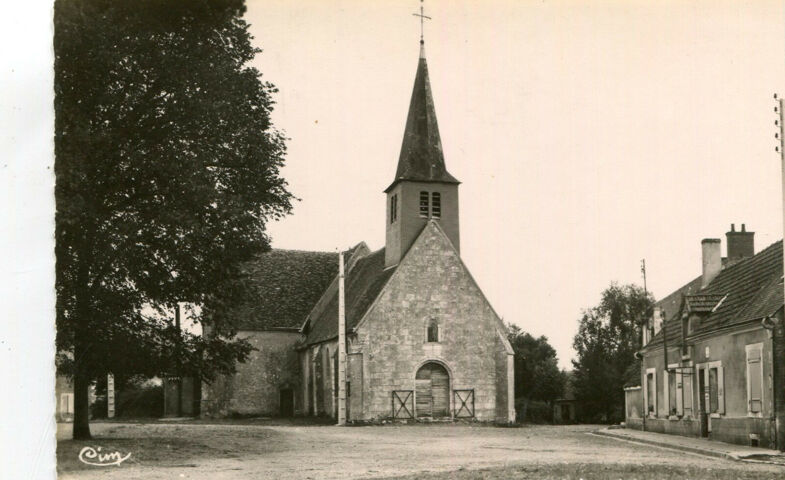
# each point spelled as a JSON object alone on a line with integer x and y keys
{"x": 287, "y": 402}
{"x": 703, "y": 408}
{"x": 432, "y": 393}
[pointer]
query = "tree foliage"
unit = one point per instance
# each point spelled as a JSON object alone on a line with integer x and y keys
{"x": 537, "y": 375}
{"x": 608, "y": 336}
{"x": 167, "y": 169}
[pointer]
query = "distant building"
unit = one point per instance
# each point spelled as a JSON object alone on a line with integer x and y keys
{"x": 64, "y": 398}
{"x": 715, "y": 336}
{"x": 422, "y": 339}
{"x": 565, "y": 408}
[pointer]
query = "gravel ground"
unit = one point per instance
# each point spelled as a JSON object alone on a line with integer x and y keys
{"x": 199, "y": 451}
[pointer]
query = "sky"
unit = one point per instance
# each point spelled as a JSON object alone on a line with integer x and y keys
{"x": 587, "y": 135}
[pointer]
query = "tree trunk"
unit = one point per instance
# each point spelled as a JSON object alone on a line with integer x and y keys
{"x": 524, "y": 408}
{"x": 82, "y": 374}
{"x": 81, "y": 394}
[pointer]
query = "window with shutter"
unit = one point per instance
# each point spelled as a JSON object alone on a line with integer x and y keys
{"x": 650, "y": 392}
{"x": 754, "y": 378}
{"x": 679, "y": 394}
{"x": 67, "y": 403}
{"x": 720, "y": 390}
{"x": 687, "y": 394}
{"x": 424, "y": 204}
{"x": 714, "y": 399}
{"x": 436, "y": 205}
{"x": 393, "y": 208}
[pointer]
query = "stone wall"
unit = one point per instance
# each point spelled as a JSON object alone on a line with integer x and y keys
{"x": 743, "y": 431}
{"x": 255, "y": 388}
{"x": 684, "y": 427}
{"x": 432, "y": 283}
{"x": 633, "y": 403}
{"x": 634, "y": 424}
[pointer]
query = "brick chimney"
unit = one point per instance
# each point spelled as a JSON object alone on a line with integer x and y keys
{"x": 740, "y": 244}
{"x": 712, "y": 259}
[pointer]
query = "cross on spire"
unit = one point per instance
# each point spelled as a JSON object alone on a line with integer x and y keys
{"x": 422, "y": 21}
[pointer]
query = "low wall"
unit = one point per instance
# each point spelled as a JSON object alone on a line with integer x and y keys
{"x": 633, "y": 403}
{"x": 723, "y": 429}
{"x": 738, "y": 430}
{"x": 634, "y": 423}
{"x": 683, "y": 427}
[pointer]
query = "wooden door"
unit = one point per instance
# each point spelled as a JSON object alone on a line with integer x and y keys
{"x": 423, "y": 392}
{"x": 702, "y": 404}
{"x": 287, "y": 402}
{"x": 432, "y": 391}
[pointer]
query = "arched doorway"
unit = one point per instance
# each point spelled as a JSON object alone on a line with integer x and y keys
{"x": 433, "y": 391}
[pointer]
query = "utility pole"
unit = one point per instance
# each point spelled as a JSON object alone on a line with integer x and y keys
{"x": 646, "y": 320}
{"x": 778, "y": 330}
{"x": 178, "y": 350}
{"x": 341, "y": 344}
{"x": 643, "y": 344}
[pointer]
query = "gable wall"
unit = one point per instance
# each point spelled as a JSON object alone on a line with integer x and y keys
{"x": 255, "y": 388}
{"x": 431, "y": 282}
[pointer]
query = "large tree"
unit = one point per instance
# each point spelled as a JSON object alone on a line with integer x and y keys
{"x": 537, "y": 375}
{"x": 167, "y": 170}
{"x": 608, "y": 336}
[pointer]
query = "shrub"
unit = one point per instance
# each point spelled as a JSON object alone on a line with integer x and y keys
{"x": 135, "y": 401}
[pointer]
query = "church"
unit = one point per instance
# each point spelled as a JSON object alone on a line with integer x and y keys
{"x": 422, "y": 341}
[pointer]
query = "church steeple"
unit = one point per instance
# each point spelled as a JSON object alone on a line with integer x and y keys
{"x": 421, "y": 158}
{"x": 422, "y": 189}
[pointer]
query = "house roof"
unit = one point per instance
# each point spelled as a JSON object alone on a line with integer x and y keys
{"x": 747, "y": 290}
{"x": 421, "y": 157}
{"x": 286, "y": 284}
{"x": 671, "y": 305}
{"x": 703, "y": 303}
{"x": 363, "y": 283}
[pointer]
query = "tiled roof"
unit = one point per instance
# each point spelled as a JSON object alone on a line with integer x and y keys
{"x": 743, "y": 282}
{"x": 421, "y": 157}
{"x": 747, "y": 290}
{"x": 671, "y": 305}
{"x": 363, "y": 283}
{"x": 703, "y": 303}
{"x": 286, "y": 286}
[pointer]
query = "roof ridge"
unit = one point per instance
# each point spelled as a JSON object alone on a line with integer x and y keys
{"x": 296, "y": 250}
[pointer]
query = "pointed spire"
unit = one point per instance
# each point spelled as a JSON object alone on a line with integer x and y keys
{"x": 421, "y": 157}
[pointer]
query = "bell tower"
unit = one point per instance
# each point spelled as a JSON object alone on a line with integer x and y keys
{"x": 423, "y": 189}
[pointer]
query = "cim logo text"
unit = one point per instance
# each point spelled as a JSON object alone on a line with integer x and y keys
{"x": 94, "y": 456}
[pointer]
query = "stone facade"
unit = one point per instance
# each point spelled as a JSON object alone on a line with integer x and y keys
{"x": 256, "y": 388}
{"x": 733, "y": 422}
{"x": 431, "y": 282}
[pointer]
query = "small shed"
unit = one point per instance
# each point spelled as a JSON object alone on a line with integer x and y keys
{"x": 565, "y": 408}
